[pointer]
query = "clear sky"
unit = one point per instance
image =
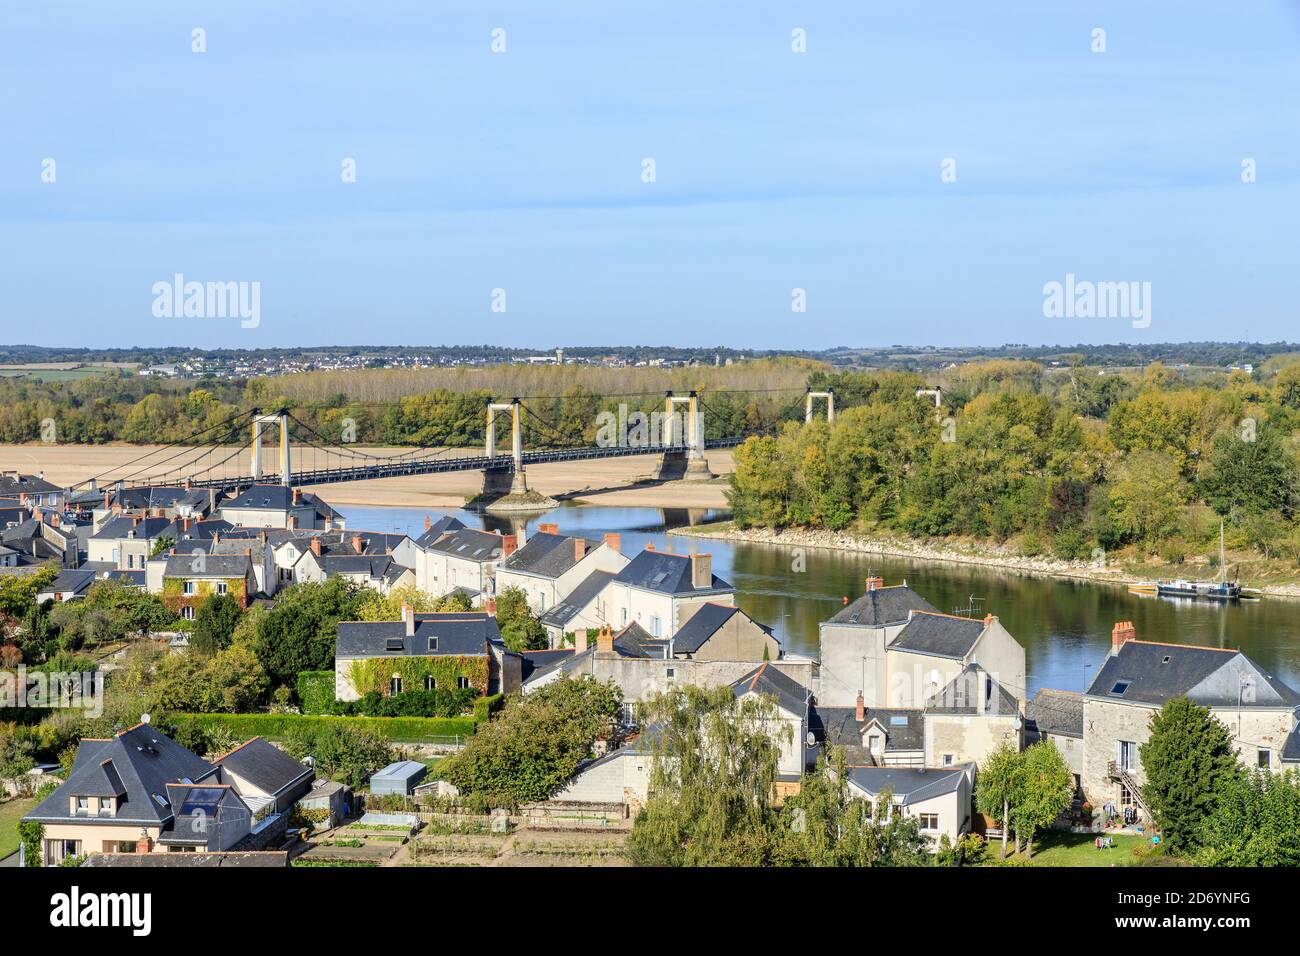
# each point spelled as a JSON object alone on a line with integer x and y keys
{"x": 523, "y": 170}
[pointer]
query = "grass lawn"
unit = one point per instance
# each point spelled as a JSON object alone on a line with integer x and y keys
{"x": 1078, "y": 849}
{"x": 11, "y": 811}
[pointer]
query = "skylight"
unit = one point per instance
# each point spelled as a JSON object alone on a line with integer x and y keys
{"x": 1120, "y": 687}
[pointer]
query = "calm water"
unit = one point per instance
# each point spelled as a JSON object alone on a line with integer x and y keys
{"x": 1063, "y": 625}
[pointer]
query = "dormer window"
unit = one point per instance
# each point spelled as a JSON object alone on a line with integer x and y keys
{"x": 83, "y": 805}
{"x": 433, "y": 643}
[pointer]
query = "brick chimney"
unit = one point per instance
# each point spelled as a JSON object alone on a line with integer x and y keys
{"x": 408, "y": 617}
{"x": 142, "y": 845}
{"x": 650, "y": 546}
{"x": 185, "y": 524}
{"x": 428, "y": 523}
{"x": 605, "y": 640}
{"x": 860, "y": 711}
{"x": 358, "y": 543}
{"x": 1120, "y": 634}
{"x": 579, "y": 548}
{"x": 701, "y": 570}
{"x": 845, "y": 600}
{"x": 550, "y": 528}
{"x": 297, "y": 496}
{"x": 491, "y": 606}
{"x": 875, "y": 584}
{"x": 614, "y": 541}
{"x": 990, "y": 619}
{"x": 315, "y": 546}
{"x": 509, "y": 545}
{"x": 580, "y": 640}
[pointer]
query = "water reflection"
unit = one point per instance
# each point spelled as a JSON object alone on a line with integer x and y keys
{"x": 1064, "y": 625}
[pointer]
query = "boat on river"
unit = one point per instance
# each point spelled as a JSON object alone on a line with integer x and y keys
{"x": 1221, "y": 590}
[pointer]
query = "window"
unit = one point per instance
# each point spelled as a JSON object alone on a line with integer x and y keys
{"x": 1120, "y": 687}
{"x": 462, "y": 683}
{"x": 430, "y": 683}
{"x": 541, "y": 602}
{"x": 929, "y": 821}
{"x": 189, "y": 587}
{"x": 672, "y": 672}
{"x": 654, "y": 624}
{"x": 947, "y": 760}
{"x": 623, "y": 616}
{"x": 433, "y": 643}
{"x": 395, "y": 685}
{"x": 1265, "y": 758}
{"x": 83, "y": 804}
{"x": 1126, "y": 754}
{"x": 873, "y": 743}
{"x": 221, "y": 587}
{"x": 187, "y": 613}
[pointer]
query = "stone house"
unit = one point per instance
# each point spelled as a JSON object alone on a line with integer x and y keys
{"x": 548, "y": 566}
{"x": 1139, "y": 677}
{"x": 939, "y": 798}
{"x": 660, "y": 591}
{"x": 1057, "y": 716}
{"x": 462, "y": 559}
{"x": 188, "y": 580}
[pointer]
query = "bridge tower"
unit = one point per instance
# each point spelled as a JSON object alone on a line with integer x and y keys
{"x": 689, "y": 464}
{"x": 260, "y": 422}
{"x": 933, "y": 391}
{"x": 829, "y": 395}
{"x": 493, "y": 480}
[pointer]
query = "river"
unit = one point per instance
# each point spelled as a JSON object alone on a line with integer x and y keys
{"x": 1064, "y": 625}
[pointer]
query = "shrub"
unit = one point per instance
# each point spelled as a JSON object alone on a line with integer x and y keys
{"x": 315, "y": 691}
{"x": 280, "y": 726}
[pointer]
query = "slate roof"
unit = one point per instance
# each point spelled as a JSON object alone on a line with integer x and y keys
{"x": 911, "y": 784}
{"x": 240, "y": 860}
{"x": 703, "y": 624}
{"x": 71, "y": 581}
{"x": 1057, "y": 712}
{"x": 468, "y": 544}
{"x": 666, "y": 573}
{"x": 1208, "y": 676}
{"x": 961, "y": 695}
{"x": 573, "y": 602}
{"x": 11, "y": 486}
{"x": 438, "y": 528}
{"x": 264, "y": 765}
{"x": 546, "y": 555}
{"x": 465, "y": 633}
{"x": 122, "y": 526}
{"x": 939, "y": 635}
{"x": 839, "y": 727}
{"x": 1291, "y": 748}
{"x": 540, "y": 662}
{"x": 212, "y": 566}
{"x": 374, "y": 566}
{"x": 881, "y": 606}
{"x": 274, "y": 498}
{"x": 766, "y": 679}
{"x": 635, "y": 641}
{"x": 137, "y": 763}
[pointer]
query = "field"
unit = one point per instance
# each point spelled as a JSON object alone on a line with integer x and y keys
{"x": 1079, "y": 849}
{"x": 11, "y": 811}
{"x": 610, "y": 481}
{"x": 62, "y": 371}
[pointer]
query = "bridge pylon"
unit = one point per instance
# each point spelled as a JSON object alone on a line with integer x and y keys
{"x": 689, "y": 463}
{"x": 260, "y": 422}
{"x": 829, "y": 395}
{"x": 493, "y": 480}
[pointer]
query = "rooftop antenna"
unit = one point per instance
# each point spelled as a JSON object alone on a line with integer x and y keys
{"x": 971, "y": 609}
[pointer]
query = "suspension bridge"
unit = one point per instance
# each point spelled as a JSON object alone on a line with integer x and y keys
{"x": 232, "y": 454}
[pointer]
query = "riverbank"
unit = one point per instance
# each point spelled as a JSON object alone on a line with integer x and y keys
{"x": 613, "y": 482}
{"x": 972, "y": 553}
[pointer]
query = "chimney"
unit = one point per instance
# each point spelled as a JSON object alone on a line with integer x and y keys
{"x": 509, "y": 545}
{"x": 408, "y": 616}
{"x": 427, "y": 523}
{"x": 861, "y": 712}
{"x": 491, "y": 606}
{"x": 701, "y": 570}
{"x": 1120, "y": 634}
{"x": 579, "y": 548}
{"x": 358, "y": 544}
{"x": 135, "y": 521}
{"x": 990, "y": 619}
{"x": 605, "y": 640}
{"x": 315, "y": 546}
{"x": 614, "y": 541}
{"x": 580, "y": 640}
{"x": 142, "y": 845}
{"x": 875, "y": 584}
{"x": 297, "y": 496}
{"x": 845, "y": 600}
{"x": 650, "y": 546}
{"x": 549, "y": 528}
{"x": 292, "y": 522}
{"x": 185, "y": 524}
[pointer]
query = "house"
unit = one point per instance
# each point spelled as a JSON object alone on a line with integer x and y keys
{"x": 660, "y": 590}
{"x": 724, "y": 632}
{"x": 873, "y": 736}
{"x": 265, "y": 777}
{"x": 372, "y": 559}
{"x": 618, "y": 778}
{"x": 71, "y": 584}
{"x": 188, "y": 580}
{"x": 582, "y": 609}
{"x": 794, "y": 706}
{"x": 43, "y": 537}
{"x": 126, "y": 542}
{"x": 1057, "y": 716}
{"x": 1139, "y": 677}
{"x": 32, "y": 490}
{"x": 939, "y": 798}
{"x": 278, "y": 506}
{"x": 423, "y": 651}
{"x": 137, "y": 792}
{"x": 548, "y": 566}
{"x": 852, "y": 642}
{"x": 641, "y": 665}
{"x": 461, "y": 559}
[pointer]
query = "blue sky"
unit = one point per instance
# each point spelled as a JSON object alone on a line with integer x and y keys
{"x": 523, "y": 170}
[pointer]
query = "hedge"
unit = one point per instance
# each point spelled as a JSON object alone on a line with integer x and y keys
{"x": 279, "y": 726}
{"x": 315, "y": 691}
{"x": 485, "y": 707}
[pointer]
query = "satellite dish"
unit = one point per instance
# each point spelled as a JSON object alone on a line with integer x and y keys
{"x": 144, "y": 718}
{"x": 812, "y": 739}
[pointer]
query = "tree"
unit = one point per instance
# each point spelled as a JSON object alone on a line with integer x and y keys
{"x": 1147, "y": 497}
{"x": 714, "y": 767}
{"x": 345, "y": 753}
{"x": 1257, "y": 822}
{"x": 1044, "y": 789}
{"x": 1190, "y": 763}
{"x": 299, "y": 633}
{"x": 996, "y": 787}
{"x": 1249, "y": 474}
{"x": 521, "y": 629}
{"x": 214, "y": 624}
{"x": 536, "y": 742}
